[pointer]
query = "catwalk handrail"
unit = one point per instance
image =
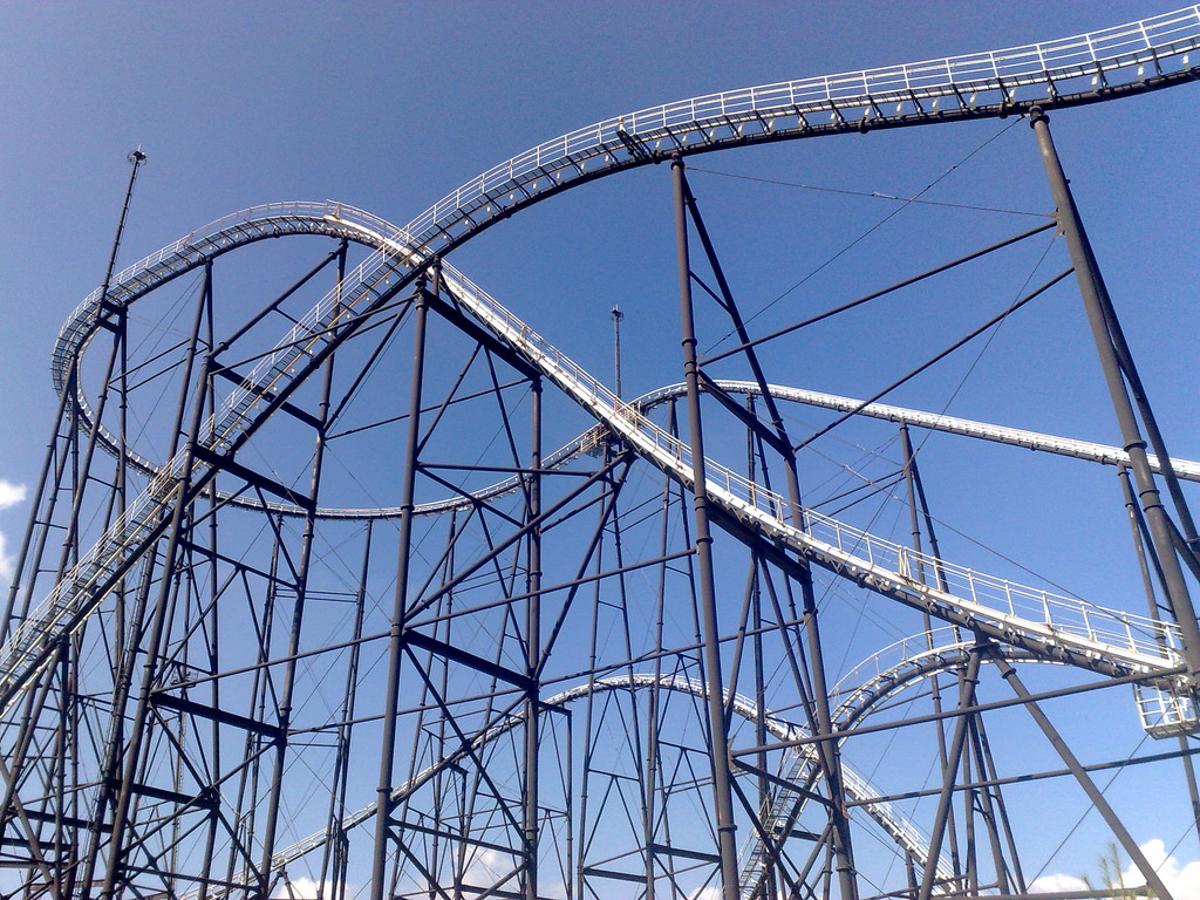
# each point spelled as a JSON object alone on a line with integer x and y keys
{"x": 1136, "y": 641}
{"x": 339, "y": 220}
{"x": 1139, "y": 641}
{"x": 83, "y": 586}
{"x": 723, "y": 118}
{"x": 1106, "y": 454}
{"x": 876, "y": 678}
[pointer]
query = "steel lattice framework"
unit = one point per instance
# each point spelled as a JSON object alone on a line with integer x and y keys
{"x": 528, "y": 673}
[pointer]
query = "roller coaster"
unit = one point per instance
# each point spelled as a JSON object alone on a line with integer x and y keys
{"x": 296, "y": 634}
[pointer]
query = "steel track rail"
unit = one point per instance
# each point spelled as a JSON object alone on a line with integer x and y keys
{"x": 1120, "y": 61}
{"x": 872, "y": 682}
{"x": 1102, "y": 639}
{"x": 342, "y": 221}
{"x": 1105, "y": 640}
{"x": 897, "y": 826}
{"x": 1143, "y": 56}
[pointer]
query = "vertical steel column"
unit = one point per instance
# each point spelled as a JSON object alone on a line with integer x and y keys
{"x": 828, "y": 751}
{"x": 274, "y": 797}
{"x": 719, "y": 737}
{"x": 61, "y": 753}
{"x": 1091, "y": 287}
{"x": 137, "y": 157}
{"x": 935, "y": 692}
{"x": 158, "y": 623}
{"x": 341, "y": 767}
{"x": 19, "y": 562}
{"x": 400, "y": 601}
{"x": 533, "y": 643}
{"x": 1137, "y": 527}
{"x": 652, "y": 712}
{"x": 213, "y": 638}
{"x": 766, "y": 888}
{"x": 966, "y": 697}
{"x": 839, "y": 839}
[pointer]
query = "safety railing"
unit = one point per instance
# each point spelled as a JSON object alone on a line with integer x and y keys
{"x": 1148, "y": 41}
{"x": 79, "y": 587}
{"x": 1164, "y": 714}
{"x": 1057, "y": 613}
{"x": 1043, "y": 612}
{"x": 1020, "y": 605}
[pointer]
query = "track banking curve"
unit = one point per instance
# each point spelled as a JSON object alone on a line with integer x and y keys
{"x": 1123, "y": 644}
{"x": 1140, "y": 56}
{"x": 1137, "y": 57}
{"x": 1143, "y": 56}
{"x": 868, "y": 685}
{"x": 1104, "y": 640}
{"x": 1087, "y": 68}
{"x": 894, "y": 823}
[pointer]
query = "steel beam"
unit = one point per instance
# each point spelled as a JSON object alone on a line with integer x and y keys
{"x": 1100, "y": 317}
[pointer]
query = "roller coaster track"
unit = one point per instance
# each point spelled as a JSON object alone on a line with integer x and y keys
{"x": 1127, "y": 59}
{"x": 1143, "y": 56}
{"x": 1105, "y": 454}
{"x": 1105, "y": 640}
{"x": 872, "y": 682}
{"x": 895, "y": 824}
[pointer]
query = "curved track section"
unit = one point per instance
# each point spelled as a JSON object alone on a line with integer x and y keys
{"x": 1143, "y": 56}
{"x": 1126, "y": 59}
{"x": 897, "y": 826}
{"x": 872, "y": 682}
{"x": 1094, "y": 637}
{"x": 1109, "y": 641}
{"x": 1105, "y": 454}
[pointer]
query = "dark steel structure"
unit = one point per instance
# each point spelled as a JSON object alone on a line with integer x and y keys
{"x": 290, "y": 635}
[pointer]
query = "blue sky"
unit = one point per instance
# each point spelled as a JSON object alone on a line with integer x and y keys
{"x": 388, "y": 106}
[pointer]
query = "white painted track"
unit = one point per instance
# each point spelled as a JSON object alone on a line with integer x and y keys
{"x": 1103, "y": 639}
{"x": 894, "y": 823}
{"x": 1146, "y": 55}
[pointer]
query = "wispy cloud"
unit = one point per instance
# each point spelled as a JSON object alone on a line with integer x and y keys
{"x": 6, "y": 561}
{"x": 1053, "y": 884}
{"x": 1182, "y": 879}
{"x": 303, "y": 888}
{"x": 11, "y": 494}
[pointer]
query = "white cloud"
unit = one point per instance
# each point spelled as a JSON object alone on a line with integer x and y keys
{"x": 11, "y": 494}
{"x": 302, "y": 888}
{"x": 6, "y": 561}
{"x": 486, "y": 866}
{"x": 1181, "y": 879}
{"x": 1048, "y": 884}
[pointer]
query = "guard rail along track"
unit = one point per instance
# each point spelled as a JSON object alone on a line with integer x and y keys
{"x": 1106, "y": 640}
{"x": 1146, "y": 55}
{"x": 893, "y": 822}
